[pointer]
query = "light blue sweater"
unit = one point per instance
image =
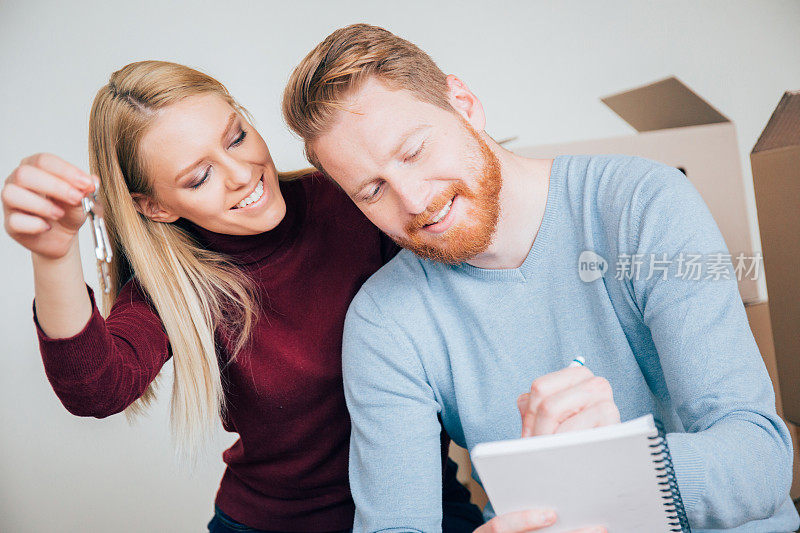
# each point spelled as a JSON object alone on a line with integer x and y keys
{"x": 425, "y": 340}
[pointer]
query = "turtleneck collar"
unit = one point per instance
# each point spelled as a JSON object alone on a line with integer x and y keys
{"x": 254, "y": 250}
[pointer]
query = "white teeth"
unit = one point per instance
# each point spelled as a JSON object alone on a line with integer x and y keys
{"x": 442, "y": 213}
{"x": 254, "y": 196}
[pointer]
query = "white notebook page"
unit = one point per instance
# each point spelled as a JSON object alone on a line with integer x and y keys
{"x": 597, "y": 477}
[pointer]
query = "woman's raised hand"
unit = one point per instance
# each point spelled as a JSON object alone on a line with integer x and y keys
{"x": 42, "y": 204}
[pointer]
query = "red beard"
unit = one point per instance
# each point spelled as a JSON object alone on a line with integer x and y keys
{"x": 471, "y": 237}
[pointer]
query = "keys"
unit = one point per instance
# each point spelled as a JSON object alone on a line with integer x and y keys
{"x": 102, "y": 245}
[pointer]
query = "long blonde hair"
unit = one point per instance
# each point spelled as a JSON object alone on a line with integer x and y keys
{"x": 195, "y": 291}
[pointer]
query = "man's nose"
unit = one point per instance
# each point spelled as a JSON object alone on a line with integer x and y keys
{"x": 414, "y": 196}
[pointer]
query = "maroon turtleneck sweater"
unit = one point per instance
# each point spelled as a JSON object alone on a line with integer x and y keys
{"x": 288, "y": 470}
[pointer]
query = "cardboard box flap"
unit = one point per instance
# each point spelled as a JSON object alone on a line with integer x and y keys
{"x": 661, "y": 105}
{"x": 783, "y": 128}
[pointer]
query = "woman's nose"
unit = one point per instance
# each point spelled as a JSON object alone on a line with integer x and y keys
{"x": 239, "y": 174}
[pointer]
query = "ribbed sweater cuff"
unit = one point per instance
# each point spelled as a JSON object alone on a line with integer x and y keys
{"x": 689, "y": 469}
{"x": 68, "y": 360}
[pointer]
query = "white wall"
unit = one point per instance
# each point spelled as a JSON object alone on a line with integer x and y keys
{"x": 539, "y": 68}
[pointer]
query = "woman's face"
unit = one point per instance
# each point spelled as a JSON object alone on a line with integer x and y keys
{"x": 208, "y": 165}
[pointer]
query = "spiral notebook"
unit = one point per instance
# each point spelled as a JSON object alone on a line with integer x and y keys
{"x": 618, "y": 476}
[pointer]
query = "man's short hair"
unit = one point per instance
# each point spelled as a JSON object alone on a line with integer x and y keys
{"x": 341, "y": 63}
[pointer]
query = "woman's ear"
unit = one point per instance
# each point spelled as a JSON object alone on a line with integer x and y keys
{"x": 152, "y": 209}
{"x": 465, "y": 102}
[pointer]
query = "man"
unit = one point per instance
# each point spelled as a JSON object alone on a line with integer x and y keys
{"x": 474, "y": 323}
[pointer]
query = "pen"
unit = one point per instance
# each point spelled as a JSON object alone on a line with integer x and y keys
{"x": 578, "y": 361}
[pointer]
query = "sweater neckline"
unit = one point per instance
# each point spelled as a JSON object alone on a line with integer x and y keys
{"x": 255, "y": 250}
{"x": 541, "y": 241}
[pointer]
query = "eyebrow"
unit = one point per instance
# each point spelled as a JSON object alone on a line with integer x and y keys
{"x": 186, "y": 170}
{"x": 403, "y": 139}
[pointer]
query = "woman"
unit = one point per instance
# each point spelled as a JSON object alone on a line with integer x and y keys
{"x": 239, "y": 274}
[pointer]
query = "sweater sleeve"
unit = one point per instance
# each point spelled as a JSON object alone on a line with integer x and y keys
{"x": 395, "y": 460}
{"x": 734, "y": 460}
{"x": 109, "y": 364}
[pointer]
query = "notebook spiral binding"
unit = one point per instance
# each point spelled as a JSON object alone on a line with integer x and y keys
{"x": 669, "y": 484}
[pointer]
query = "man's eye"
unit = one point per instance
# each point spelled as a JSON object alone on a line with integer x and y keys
{"x": 374, "y": 191}
{"x": 416, "y": 153}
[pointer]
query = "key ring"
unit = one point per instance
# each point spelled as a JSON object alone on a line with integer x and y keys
{"x": 102, "y": 245}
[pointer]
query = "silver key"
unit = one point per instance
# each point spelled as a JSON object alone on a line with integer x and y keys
{"x": 102, "y": 245}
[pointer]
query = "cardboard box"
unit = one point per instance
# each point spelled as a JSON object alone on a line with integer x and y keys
{"x": 795, "y": 491}
{"x": 776, "y": 178}
{"x": 679, "y": 128}
{"x": 464, "y": 475}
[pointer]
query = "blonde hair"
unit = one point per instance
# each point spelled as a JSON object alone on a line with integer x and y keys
{"x": 341, "y": 63}
{"x": 195, "y": 291}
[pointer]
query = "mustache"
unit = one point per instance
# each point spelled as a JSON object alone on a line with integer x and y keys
{"x": 422, "y": 219}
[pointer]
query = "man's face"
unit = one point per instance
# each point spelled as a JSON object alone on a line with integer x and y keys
{"x": 421, "y": 173}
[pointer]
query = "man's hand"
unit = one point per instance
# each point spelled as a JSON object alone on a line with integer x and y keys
{"x": 567, "y": 400}
{"x": 530, "y": 520}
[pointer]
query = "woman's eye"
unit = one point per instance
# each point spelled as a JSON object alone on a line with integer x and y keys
{"x": 239, "y": 139}
{"x": 202, "y": 179}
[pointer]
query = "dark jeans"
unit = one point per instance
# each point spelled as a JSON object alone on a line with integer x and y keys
{"x": 459, "y": 515}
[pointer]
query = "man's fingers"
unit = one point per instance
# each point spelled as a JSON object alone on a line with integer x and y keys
{"x": 548, "y": 385}
{"x": 558, "y": 407}
{"x": 599, "y": 414}
{"x": 519, "y": 521}
{"x": 522, "y": 403}
{"x": 559, "y": 380}
{"x": 527, "y": 416}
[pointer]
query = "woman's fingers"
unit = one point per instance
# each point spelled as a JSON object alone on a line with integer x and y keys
{"x": 17, "y": 198}
{"x": 44, "y": 193}
{"x": 519, "y": 521}
{"x": 55, "y": 165}
{"x": 45, "y": 183}
{"x": 24, "y": 224}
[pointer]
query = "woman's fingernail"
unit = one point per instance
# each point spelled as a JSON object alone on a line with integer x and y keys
{"x": 549, "y": 517}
